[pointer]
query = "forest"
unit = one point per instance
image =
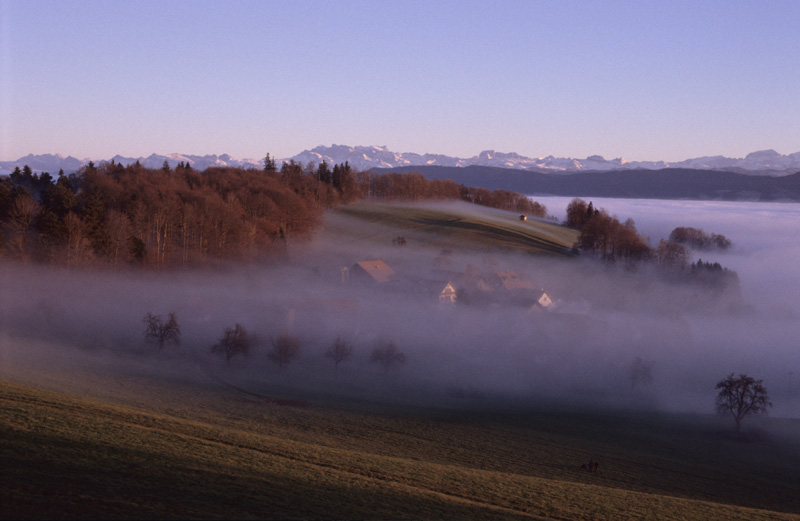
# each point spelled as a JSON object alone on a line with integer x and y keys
{"x": 110, "y": 215}
{"x": 116, "y": 216}
{"x": 610, "y": 240}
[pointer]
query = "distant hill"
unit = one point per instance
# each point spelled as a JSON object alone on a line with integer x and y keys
{"x": 668, "y": 183}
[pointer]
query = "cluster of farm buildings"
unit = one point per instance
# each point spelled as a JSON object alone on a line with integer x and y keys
{"x": 451, "y": 287}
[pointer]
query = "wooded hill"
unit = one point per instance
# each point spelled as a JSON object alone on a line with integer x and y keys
{"x": 112, "y": 215}
{"x": 669, "y": 183}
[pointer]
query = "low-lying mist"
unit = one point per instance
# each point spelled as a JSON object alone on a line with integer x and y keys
{"x": 617, "y": 338}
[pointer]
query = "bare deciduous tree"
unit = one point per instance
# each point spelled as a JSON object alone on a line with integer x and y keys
{"x": 671, "y": 255}
{"x": 23, "y": 212}
{"x": 742, "y": 397}
{"x": 285, "y": 348}
{"x": 387, "y": 356}
{"x": 234, "y": 341}
{"x": 339, "y": 352}
{"x": 158, "y": 331}
{"x": 79, "y": 247}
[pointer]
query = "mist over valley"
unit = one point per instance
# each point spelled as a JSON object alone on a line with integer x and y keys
{"x": 486, "y": 349}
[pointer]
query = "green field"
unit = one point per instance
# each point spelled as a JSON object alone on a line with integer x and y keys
{"x": 454, "y": 225}
{"x": 105, "y": 445}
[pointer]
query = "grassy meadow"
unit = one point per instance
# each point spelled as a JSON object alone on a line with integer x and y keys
{"x": 456, "y": 226}
{"x": 110, "y": 445}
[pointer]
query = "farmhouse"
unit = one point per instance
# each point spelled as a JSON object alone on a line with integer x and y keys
{"x": 448, "y": 294}
{"x": 375, "y": 271}
{"x": 433, "y": 289}
{"x": 509, "y": 281}
{"x": 467, "y": 287}
{"x": 542, "y": 302}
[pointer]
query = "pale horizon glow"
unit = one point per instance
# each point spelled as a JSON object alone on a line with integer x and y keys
{"x": 646, "y": 81}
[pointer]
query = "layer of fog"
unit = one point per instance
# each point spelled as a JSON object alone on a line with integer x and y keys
{"x": 762, "y": 341}
{"x": 456, "y": 355}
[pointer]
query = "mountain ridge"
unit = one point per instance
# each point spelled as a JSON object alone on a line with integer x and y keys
{"x": 667, "y": 183}
{"x": 762, "y": 162}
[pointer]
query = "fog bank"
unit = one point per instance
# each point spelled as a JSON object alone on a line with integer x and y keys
{"x": 457, "y": 355}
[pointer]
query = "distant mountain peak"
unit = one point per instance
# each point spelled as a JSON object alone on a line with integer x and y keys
{"x": 367, "y": 157}
{"x": 364, "y": 158}
{"x": 763, "y": 154}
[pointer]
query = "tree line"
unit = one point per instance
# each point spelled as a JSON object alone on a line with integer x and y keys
{"x": 605, "y": 236}
{"x": 237, "y": 341}
{"x": 113, "y": 215}
{"x": 698, "y": 239}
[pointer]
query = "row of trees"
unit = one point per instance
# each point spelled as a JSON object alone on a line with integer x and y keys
{"x": 117, "y": 215}
{"x": 237, "y": 341}
{"x": 414, "y": 187}
{"x": 740, "y": 396}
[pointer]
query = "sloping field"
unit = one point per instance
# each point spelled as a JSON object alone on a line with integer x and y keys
{"x": 455, "y": 225}
{"x": 163, "y": 449}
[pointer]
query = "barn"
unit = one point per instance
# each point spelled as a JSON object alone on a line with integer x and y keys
{"x": 375, "y": 271}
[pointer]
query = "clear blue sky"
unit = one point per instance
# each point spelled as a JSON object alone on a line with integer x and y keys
{"x": 642, "y": 80}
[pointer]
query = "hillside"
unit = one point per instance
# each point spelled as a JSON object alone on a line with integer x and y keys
{"x": 459, "y": 226}
{"x": 490, "y": 416}
{"x": 113, "y": 445}
{"x": 672, "y": 183}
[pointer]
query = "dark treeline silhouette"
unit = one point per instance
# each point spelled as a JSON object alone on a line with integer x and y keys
{"x": 605, "y": 236}
{"x": 114, "y": 215}
{"x": 414, "y": 187}
{"x": 699, "y": 239}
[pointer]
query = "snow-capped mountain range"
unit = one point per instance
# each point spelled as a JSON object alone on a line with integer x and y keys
{"x": 381, "y": 157}
{"x": 366, "y": 157}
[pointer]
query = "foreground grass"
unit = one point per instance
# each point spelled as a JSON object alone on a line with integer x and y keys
{"x": 464, "y": 226}
{"x": 163, "y": 449}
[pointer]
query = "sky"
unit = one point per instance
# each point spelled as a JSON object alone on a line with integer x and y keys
{"x": 642, "y": 80}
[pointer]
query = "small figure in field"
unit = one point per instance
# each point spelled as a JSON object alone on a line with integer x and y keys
{"x": 596, "y": 466}
{"x": 591, "y": 465}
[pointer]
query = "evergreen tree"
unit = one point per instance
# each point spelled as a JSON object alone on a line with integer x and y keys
{"x": 269, "y": 164}
{"x": 16, "y": 176}
{"x": 324, "y": 173}
{"x": 6, "y": 198}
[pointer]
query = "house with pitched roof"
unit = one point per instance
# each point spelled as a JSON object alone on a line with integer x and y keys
{"x": 374, "y": 271}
